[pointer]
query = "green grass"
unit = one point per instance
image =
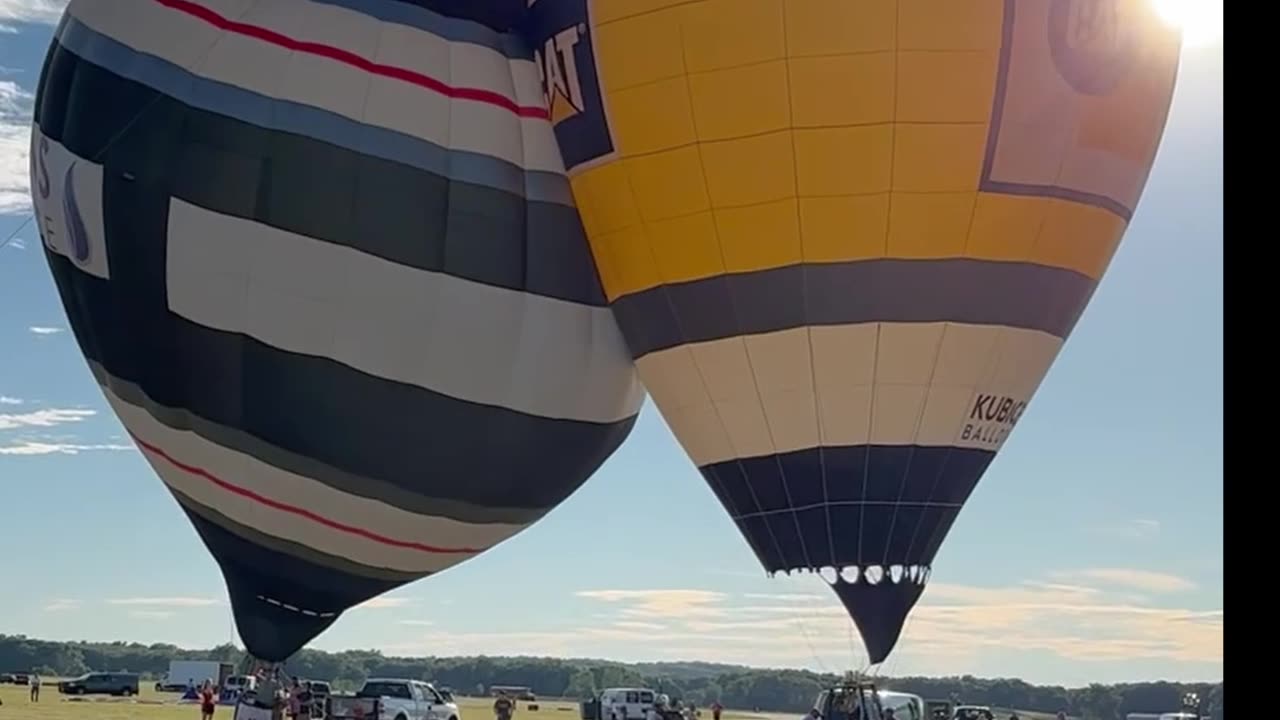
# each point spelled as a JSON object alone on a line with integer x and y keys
{"x": 150, "y": 705}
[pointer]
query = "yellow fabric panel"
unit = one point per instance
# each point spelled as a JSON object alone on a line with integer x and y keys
{"x": 852, "y": 227}
{"x": 839, "y": 27}
{"x": 938, "y": 157}
{"x": 633, "y": 58}
{"x": 814, "y": 104}
{"x": 929, "y": 225}
{"x": 604, "y": 12}
{"x": 603, "y": 195}
{"x": 750, "y": 170}
{"x": 722, "y": 34}
{"x": 1005, "y": 226}
{"x": 687, "y": 247}
{"x": 1076, "y": 236}
{"x": 634, "y": 266}
{"x": 759, "y": 237}
{"x": 955, "y": 25}
{"x": 637, "y": 130}
{"x": 740, "y": 101}
{"x": 668, "y": 184}
{"x": 955, "y": 87}
{"x": 844, "y": 160}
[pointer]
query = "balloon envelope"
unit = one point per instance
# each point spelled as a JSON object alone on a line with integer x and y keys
{"x": 324, "y": 261}
{"x": 846, "y": 240}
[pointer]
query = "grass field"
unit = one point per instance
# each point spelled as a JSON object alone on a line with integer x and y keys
{"x": 150, "y": 705}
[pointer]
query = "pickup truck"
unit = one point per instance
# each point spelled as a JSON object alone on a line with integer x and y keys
{"x": 392, "y": 699}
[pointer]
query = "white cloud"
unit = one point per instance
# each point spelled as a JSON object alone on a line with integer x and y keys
{"x": 1144, "y": 580}
{"x": 46, "y": 330}
{"x": 35, "y": 447}
{"x": 171, "y": 602}
{"x": 954, "y": 626}
{"x": 44, "y": 418}
{"x": 1136, "y": 529}
{"x": 62, "y": 605}
{"x": 661, "y": 603}
{"x": 31, "y": 11}
{"x": 6, "y": 400}
{"x": 15, "y": 142}
{"x": 151, "y": 614}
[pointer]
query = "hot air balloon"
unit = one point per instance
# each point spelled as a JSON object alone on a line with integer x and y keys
{"x": 846, "y": 240}
{"x": 323, "y": 259}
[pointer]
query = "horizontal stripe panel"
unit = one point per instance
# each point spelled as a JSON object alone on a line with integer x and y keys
{"x": 416, "y": 440}
{"x": 383, "y": 208}
{"x": 838, "y": 506}
{"x": 943, "y": 384}
{"x": 477, "y": 168}
{"x": 299, "y": 509}
{"x": 365, "y": 487}
{"x": 453, "y": 94}
{"x": 376, "y": 579}
{"x": 440, "y": 21}
{"x": 466, "y": 340}
{"x": 261, "y": 581}
{"x": 979, "y": 292}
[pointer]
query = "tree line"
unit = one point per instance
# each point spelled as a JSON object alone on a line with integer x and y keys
{"x": 733, "y": 686}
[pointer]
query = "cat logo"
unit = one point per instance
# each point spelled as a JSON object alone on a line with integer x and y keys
{"x": 558, "y": 71}
{"x": 560, "y": 32}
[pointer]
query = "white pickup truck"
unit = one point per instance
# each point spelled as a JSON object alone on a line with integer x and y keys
{"x": 392, "y": 699}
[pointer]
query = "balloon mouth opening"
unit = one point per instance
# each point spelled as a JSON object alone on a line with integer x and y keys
{"x": 871, "y": 575}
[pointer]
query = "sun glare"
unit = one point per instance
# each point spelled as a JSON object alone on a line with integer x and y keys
{"x": 1199, "y": 20}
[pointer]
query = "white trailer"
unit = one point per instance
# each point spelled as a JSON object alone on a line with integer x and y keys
{"x": 186, "y": 673}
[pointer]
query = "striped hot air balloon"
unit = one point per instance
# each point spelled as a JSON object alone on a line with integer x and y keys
{"x": 845, "y": 240}
{"x": 323, "y": 259}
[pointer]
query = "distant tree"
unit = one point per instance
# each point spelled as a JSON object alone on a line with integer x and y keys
{"x": 700, "y": 683}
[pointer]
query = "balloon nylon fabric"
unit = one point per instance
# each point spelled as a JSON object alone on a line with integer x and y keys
{"x": 324, "y": 261}
{"x": 846, "y": 240}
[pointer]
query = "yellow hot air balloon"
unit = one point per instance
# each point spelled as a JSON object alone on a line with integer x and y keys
{"x": 845, "y": 240}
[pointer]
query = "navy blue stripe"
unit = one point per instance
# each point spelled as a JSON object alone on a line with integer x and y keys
{"x": 856, "y": 505}
{"x": 499, "y": 15}
{"x": 331, "y": 127}
{"x": 295, "y": 183}
{"x": 451, "y": 26}
{"x": 961, "y": 290}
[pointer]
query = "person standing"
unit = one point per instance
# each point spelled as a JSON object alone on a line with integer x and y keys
{"x": 34, "y": 682}
{"x": 503, "y": 707}
{"x": 208, "y": 701}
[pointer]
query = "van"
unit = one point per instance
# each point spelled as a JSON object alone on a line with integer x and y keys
{"x": 626, "y": 703}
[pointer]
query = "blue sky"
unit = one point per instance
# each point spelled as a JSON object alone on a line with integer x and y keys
{"x": 1090, "y": 552}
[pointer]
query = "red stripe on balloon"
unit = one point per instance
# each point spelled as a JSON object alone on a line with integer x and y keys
{"x": 487, "y": 97}
{"x": 294, "y": 510}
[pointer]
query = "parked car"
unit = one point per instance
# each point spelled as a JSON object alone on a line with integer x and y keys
{"x": 98, "y": 683}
